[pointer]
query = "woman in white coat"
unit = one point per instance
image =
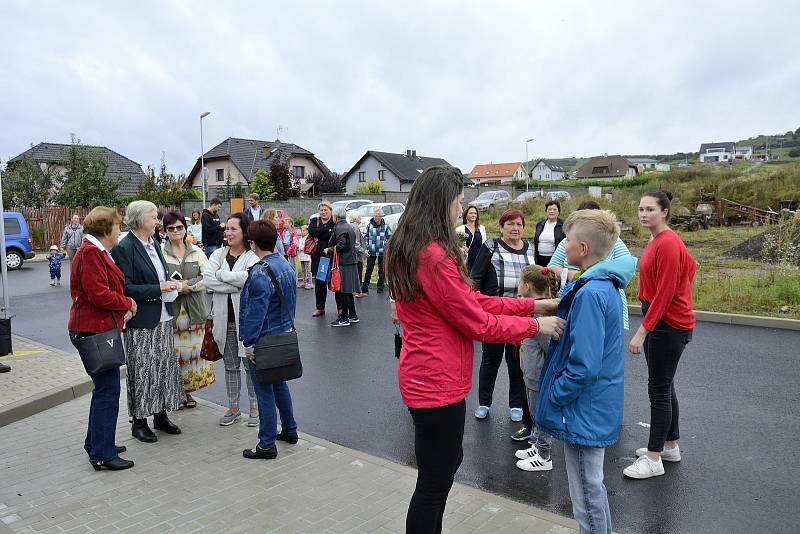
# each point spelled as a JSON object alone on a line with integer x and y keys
{"x": 225, "y": 276}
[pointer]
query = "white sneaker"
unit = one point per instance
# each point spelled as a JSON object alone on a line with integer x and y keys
{"x": 643, "y": 467}
{"x": 668, "y": 455}
{"x": 535, "y": 463}
{"x": 525, "y": 454}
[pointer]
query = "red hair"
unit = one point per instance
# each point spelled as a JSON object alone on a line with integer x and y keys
{"x": 511, "y": 214}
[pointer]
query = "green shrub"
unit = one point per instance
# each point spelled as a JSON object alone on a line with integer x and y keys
{"x": 370, "y": 188}
{"x": 299, "y": 221}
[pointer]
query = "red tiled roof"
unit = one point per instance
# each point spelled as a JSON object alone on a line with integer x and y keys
{"x": 494, "y": 170}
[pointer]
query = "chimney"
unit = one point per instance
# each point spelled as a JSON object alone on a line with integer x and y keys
{"x": 266, "y": 151}
{"x": 413, "y": 154}
{"x": 408, "y": 154}
{"x": 605, "y": 155}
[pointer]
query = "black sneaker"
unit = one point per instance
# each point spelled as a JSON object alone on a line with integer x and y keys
{"x": 261, "y": 454}
{"x": 340, "y": 322}
{"x": 288, "y": 438}
{"x": 379, "y": 290}
{"x": 353, "y": 319}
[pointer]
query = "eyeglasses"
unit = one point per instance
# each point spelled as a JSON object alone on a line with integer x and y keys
{"x": 176, "y": 228}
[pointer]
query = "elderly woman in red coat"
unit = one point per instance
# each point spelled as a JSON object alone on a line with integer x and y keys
{"x": 98, "y": 305}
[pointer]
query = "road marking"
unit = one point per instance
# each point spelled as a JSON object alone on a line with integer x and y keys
{"x": 27, "y": 352}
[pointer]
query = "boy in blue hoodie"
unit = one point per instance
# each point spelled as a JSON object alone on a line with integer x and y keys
{"x": 581, "y": 387}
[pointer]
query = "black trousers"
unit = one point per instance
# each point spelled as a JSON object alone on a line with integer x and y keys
{"x": 542, "y": 261}
{"x": 371, "y": 261}
{"x": 438, "y": 435}
{"x": 662, "y": 349}
{"x": 490, "y": 364}
{"x": 346, "y": 304}
{"x": 360, "y": 271}
{"x": 320, "y": 288}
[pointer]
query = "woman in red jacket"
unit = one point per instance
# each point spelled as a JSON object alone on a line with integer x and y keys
{"x": 442, "y": 315}
{"x": 99, "y": 304}
{"x": 666, "y": 274}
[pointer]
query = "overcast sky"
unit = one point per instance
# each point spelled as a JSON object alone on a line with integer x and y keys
{"x": 466, "y": 81}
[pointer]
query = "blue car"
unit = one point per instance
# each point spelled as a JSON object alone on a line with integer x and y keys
{"x": 19, "y": 245}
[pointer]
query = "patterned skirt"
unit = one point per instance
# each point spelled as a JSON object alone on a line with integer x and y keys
{"x": 154, "y": 378}
{"x": 196, "y": 373}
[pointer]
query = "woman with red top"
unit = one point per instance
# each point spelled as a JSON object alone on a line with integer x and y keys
{"x": 99, "y": 304}
{"x": 665, "y": 290}
{"x": 441, "y": 315}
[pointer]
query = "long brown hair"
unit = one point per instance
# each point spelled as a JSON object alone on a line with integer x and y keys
{"x": 426, "y": 220}
{"x": 541, "y": 279}
{"x": 477, "y": 216}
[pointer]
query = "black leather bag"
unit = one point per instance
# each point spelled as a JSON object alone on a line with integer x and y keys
{"x": 98, "y": 352}
{"x": 398, "y": 342}
{"x": 278, "y": 355}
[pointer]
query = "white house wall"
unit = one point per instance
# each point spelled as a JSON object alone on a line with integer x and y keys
{"x": 370, "y": 166}
{"x": 544, "y": 173}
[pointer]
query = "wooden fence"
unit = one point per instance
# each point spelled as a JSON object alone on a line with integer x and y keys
{"x": 46, "y": 225}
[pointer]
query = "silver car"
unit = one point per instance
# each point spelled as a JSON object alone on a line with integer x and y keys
{"x": 491, "y": 199}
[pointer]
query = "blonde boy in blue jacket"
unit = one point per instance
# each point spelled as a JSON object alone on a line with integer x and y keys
{"x": 581, "y": 388}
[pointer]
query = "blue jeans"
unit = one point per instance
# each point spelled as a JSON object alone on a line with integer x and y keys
{"x": 209, "y": 249}
{"x": 271, "y": 396}
{"x": 586, "y": 488}
{"x": 103, "y": 412}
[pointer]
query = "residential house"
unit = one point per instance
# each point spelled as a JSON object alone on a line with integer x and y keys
{"x": 546, "y": 169}
{"x": 56, "y": 155}
{"x": 743, "y": 152}
{"x": 643, "y": 163}
{"x": 607, "y": 167}
{"x": 717, "y": 152}
{"x": 396, "y": 172}
{"x": 239, "y": 160}
{"x": 497, "y": 173}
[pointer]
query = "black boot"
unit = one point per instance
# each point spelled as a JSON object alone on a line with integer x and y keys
{"x": 261, "y": 454}
{"x": 161, "y": 422}
{"x": 142, "y": 432}
{"x": 117, "y": 464}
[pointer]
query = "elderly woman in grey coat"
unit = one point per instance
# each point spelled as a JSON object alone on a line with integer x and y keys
{"x": 344, "y": 240}
{"x": 225, "y": 276}
{"x": 154, "y": 380}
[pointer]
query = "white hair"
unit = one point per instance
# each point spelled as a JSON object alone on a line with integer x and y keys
{"x": 340, "y": 213}
{"x": 353, "y": 216}
{"x": 136, "y": 212}
{"x": 378, "y": 211}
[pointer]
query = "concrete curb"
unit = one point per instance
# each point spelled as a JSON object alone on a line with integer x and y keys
{"x": 735, "y": 319}
{"x": 34, "y": 404}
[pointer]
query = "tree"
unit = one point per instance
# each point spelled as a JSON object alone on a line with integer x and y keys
{"x": 326, "y": 183}
{"x": 794, "y": 153}
{"x": 285, "y": 184}
{"x": 85, "y": 182}
{"x": 166, "y": 189}
{"x": 28, "y": 185}
{"x": 262, "y": 186}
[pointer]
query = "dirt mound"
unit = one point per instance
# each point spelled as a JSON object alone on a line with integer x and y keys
{"x": 776, "y": 244}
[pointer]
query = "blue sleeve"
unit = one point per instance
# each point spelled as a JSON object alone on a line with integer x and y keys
{"x": 586, "y": 336}
{"x": 559, "y": 258}
{"x": 620, "y": 250}
{"x": 250, "y": 322}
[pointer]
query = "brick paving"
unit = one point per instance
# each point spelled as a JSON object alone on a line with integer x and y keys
{"x": 199, "y": 482}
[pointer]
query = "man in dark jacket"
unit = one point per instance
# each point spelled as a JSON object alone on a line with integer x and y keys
{"x": 378, "y": 234}
{"x": 213, "y": 229}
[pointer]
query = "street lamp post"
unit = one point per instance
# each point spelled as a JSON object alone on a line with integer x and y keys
{"x": 203, "y": 173}
{"x": 527, "y": 164}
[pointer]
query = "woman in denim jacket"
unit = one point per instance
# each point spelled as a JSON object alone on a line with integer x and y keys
{"x": 261, "y": 313}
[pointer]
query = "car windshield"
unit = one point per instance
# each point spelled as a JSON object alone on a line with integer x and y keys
{"x": 341, "y": 204}
{"x": 488, "y": 195}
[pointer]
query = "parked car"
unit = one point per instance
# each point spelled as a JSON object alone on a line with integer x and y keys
{"x": 19, "y": 245}
{"x": 346, "y": 204}
{"x": 528, "y": 195}
{"x": 491, "y": 199}
{"x": 391, "y": 213}
{"x": 558, "y": 195}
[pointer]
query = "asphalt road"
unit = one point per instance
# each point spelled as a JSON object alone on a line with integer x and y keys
{"x": 738, "y": 388}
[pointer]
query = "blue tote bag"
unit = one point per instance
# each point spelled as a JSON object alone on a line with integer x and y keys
{"x": 324, "y": 269}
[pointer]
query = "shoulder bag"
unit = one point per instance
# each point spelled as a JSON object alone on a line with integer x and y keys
{"x": 310, "y": 246}
{"x": 98, "y": 352}
{"x": 278, "y": 355}
{"x": 209, "y": 351}
{"x": 336, "y": 275}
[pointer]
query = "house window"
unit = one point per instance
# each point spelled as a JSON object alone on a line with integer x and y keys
{"x": 600, "y": 170}
{"x": 548, "y": 175}
{"x": 362, "y": 176}
{"x": 220, "y": 175}
{"x": 382, "y": 175}
{"x": 299, "y": 172}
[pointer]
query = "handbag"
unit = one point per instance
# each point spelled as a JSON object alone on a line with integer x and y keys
{"x": 278, "y": 355}
{"x": 324, "y": 269}
{"x": 336, "y": 275}
{"x": 98, "y": 352}
{"x": 310, "y": 246}
{"x": 209, "y": 351}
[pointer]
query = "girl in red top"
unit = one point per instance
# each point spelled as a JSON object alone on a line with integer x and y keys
{"x": 442, "y": 315}
{"x": 665, "y": 291}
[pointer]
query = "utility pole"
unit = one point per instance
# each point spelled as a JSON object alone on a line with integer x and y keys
{"x": 527, "y": 165}
{"x": 203, "y": 171}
